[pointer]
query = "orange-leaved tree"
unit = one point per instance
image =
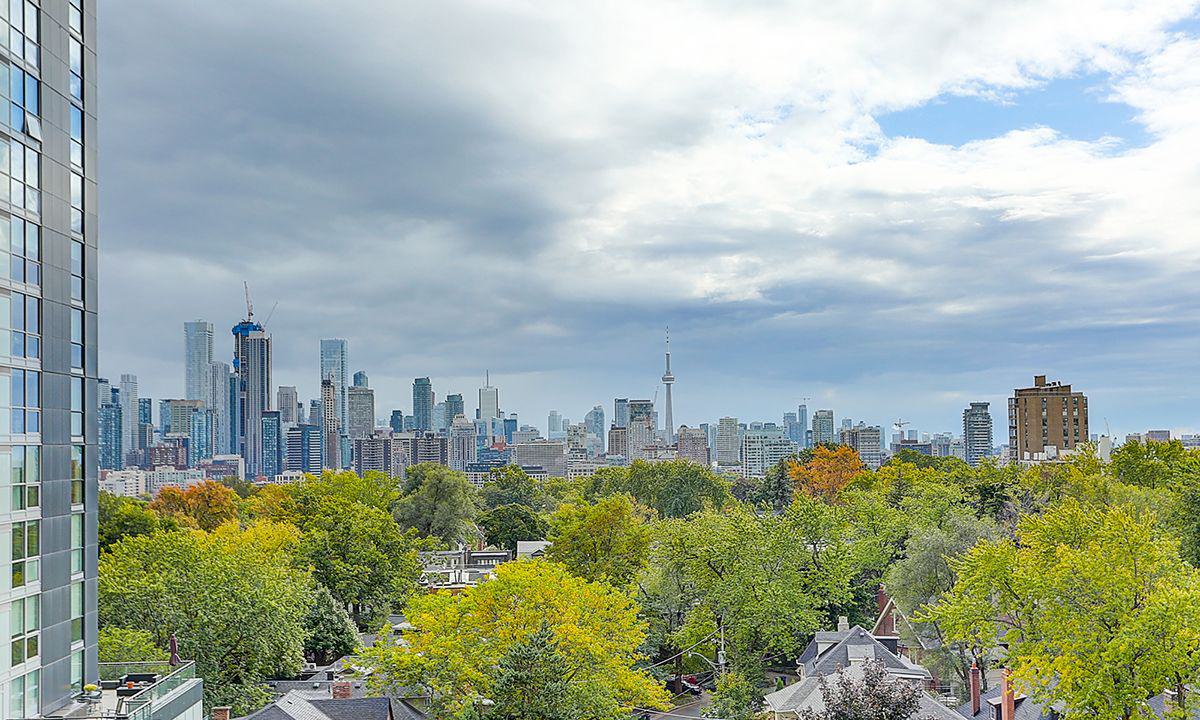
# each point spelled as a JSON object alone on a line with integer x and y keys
{"x": 827, "y": 472}
{"x": 205, "y": 505}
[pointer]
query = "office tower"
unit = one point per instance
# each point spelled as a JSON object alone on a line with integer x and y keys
{"x": 129, "y": 409}
{"x": 553, "y": 423}
{"x": 252, "y": 363}
{"x": 763, "y": 449}
{"x": 1046, "y": 420}
{"x": 802, "y": 421}
{"x": 455, "y": 407}
{"x": 335, "y": 365}
{"x": 48, "y": 232}
{"x": 577, "y": 437}
{"x": 110, "y": 435}
{"x": 197, "y": 357}
{"x": 822, "y": 427}
{"x": 641, "y": 410}
{"x": 668, "y": 380}
{"x": 314, "y": 412}
{"x": 103, "y": 391}
{"x": 304, "y": 449}
{"x": 977, "y": 433}
{"x": 201, "y": 429}
{"x": 440, "y": 423}
{"x": 287, "y": 402}
{"x": 729, "y": 443}
{"x": 396, "y": 422}
{"x": 867, "y": 441}
{"x": 331, "y": 442}
{"x": 1159, "y": 436}
{"x": 510, "y": 427}
{"x": 462, "y": 443}
{"x": 274, "y": 444}
{"x": 422, "y": 391}
{"x": 145, "y": 409}
{"x": 361, "y": 379}
{"x": 489, "y": 399}
{"x": 360, "y": 402}
{"x": 620, "y": 412}
{"x": 594, "y": 420}
{"x": 219, "y": 400}
{"x": 692, "y": 445}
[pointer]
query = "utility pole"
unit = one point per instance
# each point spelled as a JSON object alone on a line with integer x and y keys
{"x": 721, "y": 651}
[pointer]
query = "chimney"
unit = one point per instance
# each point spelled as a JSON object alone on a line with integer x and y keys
{"x": 1008, "y": 704}
{"x": 341, "y": 690}
{"x": 221, "y": 713}
{"x": 843, "y": 623}
{"x": 974, "y": 689}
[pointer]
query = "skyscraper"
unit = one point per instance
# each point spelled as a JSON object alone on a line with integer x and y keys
{"x": 129, "y": 414}
{"x": 287, "y": 402}
{"x": 110, "y": 435}
{"x": 274, "y": 444}
{"x": 360, "y": 401}
{"x": 201, "y": 431}
{"x": 867, "y": 441}
{"x": 422, "y": 404}
{"x": 361, "y": 379}
{"x": 1047, "y": 415}
{"x": 396, "y": 422}
{"x": 197, "y": 356}
{"x": 49, "y": 230}
{"x": 822, "y": 427}
{"x": 220, "y": 400}
{"x": 802, "y": 421}
{"x": 620, "y": 412}
{"x": 331, "y": 443}
{"x": 454, "y": 407}
{"x": 692, "y": 445}
{"x": 335, "y": 364}
{"x": 252, "y": 363}
{"x": 977, "y": 433}
{"x": 668, "y": 380}
{"x": 554, "y": 424}
{"x": 462, "y": 443}
{"x": 489, "y": 400}
{"x": 145, "y": 410}
{"x": 594, "y": 421}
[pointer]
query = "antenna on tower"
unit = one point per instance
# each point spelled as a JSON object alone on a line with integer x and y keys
{"x": 249, "y": 305}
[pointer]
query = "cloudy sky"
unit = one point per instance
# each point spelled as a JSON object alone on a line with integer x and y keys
{"x": 890, "y": 208}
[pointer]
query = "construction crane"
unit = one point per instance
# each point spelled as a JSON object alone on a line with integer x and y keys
{"x": 249, "y": 305}
{"x": 899, "y": 426}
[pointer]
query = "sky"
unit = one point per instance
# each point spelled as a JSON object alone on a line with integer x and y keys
{"x": 890, "y": 209}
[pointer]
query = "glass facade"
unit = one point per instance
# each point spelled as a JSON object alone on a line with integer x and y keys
{"x": 48, "y": 402}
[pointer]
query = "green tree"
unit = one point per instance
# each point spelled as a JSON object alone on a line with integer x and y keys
{"x": 455, "y": 650}
{"x": 1089, "y": 602}
{"x": 673, "y": 489}
{"x": 441, "y": 506}
{"x": 362, "y": 556}
{"x": 777, "y": 487}
{"x": 126, "y": 517}
{"x": 330, "y": 632}
{"x": 768, "y": 580}
{"x": 234, "y": 599}
{"x": 123, "y": 645}
{"x": 507, "y": 524}
{"x": 735, "y": 698}
{"x": 530, "y": 684}
{"x": 510, "y": 485}
{"x": 1156, "y": 464}
{"x": 608, "y": 541}
{"x": 372, "y": 489}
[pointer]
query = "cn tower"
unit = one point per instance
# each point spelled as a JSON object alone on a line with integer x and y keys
{"x": 669, "y": 380}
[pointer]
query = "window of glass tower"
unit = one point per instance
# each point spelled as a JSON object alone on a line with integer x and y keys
{"x": 20, "y": 250}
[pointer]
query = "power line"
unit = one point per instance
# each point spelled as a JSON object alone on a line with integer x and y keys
{"x": 682, "y": 652}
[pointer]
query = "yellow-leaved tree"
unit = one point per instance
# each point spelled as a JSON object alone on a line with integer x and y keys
{"x": 461, "y": 643}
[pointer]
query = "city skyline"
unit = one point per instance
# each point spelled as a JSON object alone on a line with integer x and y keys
{"x": 897, "y": 233}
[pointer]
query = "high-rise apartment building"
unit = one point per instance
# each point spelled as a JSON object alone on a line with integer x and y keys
{"x": 197, "y": 357}
{"x": 977, "y": 433}
{"x": 331, "y": 442}
{"x": 335, "y": 365}
{"x": 867, "y": 441}
{"x": 109, "y": 440}
{"x": 802, "y": 421}
{"x": 729, "y": 443}
{"x": 692, "y": 445}
{"x": 1046, "y": 420}
{"x": 763, "y": 449}
{"x": 303, "y": 449}
{"x": 360, "y": 402}
{"x": 822, "y": 427}
{"x": 422, "y": 391}
{"x": 252, "y": 364}
{"x": 618, "y": 442}
{"x": 594, "y": 421}
{"x": 274, "y": 444}
{"x": 454, "y": 407}
{"x": 129, "y": 414}
{"x": 48, "y": 311}
{"x": 222, "y": 397}
{"x": 462, "y": 443}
